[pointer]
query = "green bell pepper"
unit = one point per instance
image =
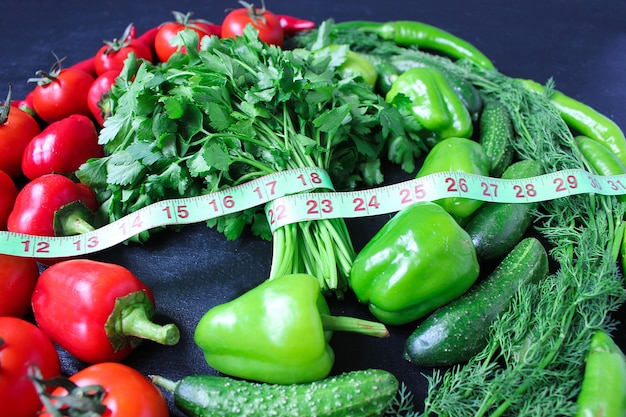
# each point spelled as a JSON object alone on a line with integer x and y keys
{"x": 457, "y": 154}
{"x": 428, "y": 95}
{"x": 278, "y": 332}
{"x": 418, "y": 261}
{"x": 356, "y": 64}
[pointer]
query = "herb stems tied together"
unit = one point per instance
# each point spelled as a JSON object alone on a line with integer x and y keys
{"x": 235, "y": 110}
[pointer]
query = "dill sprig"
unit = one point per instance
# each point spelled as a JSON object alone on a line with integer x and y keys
{"x": 533, "y": 364}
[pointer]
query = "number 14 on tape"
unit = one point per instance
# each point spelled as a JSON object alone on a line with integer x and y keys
{"x": 393, "y": 198}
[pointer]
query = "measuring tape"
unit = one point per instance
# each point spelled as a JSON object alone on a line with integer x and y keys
{"x": 287, "y": 201}
{"x": 393, "y": 198}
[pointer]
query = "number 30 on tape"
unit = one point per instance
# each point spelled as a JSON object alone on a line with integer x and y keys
{"x": 392, "y": 198}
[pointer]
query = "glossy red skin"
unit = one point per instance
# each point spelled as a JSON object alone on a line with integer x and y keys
{"x": 17, "y": 282}
{"x": 270, "y": 29}
{"x": 64, "y": 96}
{"x": 102, "y": 85}
{"x": 39, "y": 199}
{"x": 25, "y": 345}
{"x": 15, "y": 134}
{"x": 61, "y": 147}
{"x": 128, "y": 392}
{"x": 8, "y": 193}
{"x": 108, "y": 60}
{"x": 90, "y": 288}
{"x": 169, "y": 30}
{"x": 88, "y": 65}
{"x": 148, "y": 38}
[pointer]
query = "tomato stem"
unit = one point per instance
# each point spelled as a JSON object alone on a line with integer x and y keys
{"x": 6, "y": 107}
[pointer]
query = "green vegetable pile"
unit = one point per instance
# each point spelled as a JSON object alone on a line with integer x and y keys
{"x": 532, "y": 364}
{"x": 238, "y": 109}
{"x": 234, "y": 111}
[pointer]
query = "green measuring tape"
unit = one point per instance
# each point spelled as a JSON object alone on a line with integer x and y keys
{"x": 287, "y": 201}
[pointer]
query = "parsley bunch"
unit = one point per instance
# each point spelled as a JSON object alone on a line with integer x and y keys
{"x": 231, "y": 112}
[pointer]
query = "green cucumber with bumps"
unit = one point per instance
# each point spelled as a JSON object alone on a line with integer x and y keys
{"x": 361, "y": 393}
{"x": 496, "y": 135}
{"x": 453, "y": 334}
{"x": 495, "y": 228}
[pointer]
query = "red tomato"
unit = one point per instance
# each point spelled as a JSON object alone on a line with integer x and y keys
{"x": 266, "y": 22}
{"x": 96, "y": 99}
{"x": 61, "y": 147}
{"x": 112, "y": 55}
{"x": 16, "y": 131}
{"x": 39, "y": 200}
{"x": 17, "y": 282}
{"x": 22, "y": 344}
{"x": 128, "y": 393}
{"x": 169, "y": 31}
{"x": 8, "y": 193}
{"x": 101, "y": 294}
{"x": 61, "y": 94}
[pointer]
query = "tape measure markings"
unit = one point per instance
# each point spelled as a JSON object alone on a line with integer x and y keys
{"x": 289, "y": 202}
{"x": 168, "y": 212}
{"x": 392, "y": 198}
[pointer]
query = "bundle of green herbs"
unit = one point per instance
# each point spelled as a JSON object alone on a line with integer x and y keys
{"x": 231, "y": 112}
{"x": 533, "y": 364}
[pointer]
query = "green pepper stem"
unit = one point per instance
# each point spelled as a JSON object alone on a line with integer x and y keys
{"x": 73, "y": 219}
{"x": 135, "y": 322}
{"x": 354, "y": 325}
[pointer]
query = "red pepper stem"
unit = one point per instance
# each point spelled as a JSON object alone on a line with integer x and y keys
{"x": 353, "y": 325}
{"x": 131, "y": 319}
{"x": 73, "y": 219}
{"x": 136, "y": 323}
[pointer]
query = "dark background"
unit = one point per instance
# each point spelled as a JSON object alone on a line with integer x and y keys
{"x": 581, "y": 44}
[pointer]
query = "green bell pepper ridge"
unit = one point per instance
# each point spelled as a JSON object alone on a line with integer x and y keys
{"x": 433, "y": 102}
{"x": 277, "y": 332}
{"x": 457, "y": 154}
{"x": 418, "y": 261}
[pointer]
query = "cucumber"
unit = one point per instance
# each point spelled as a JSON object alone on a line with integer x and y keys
{"x": 496, "y": 135}
{"x": 496, "y": 227}
{"x": 454, "y": 333}
{"x": 360, "y": 393}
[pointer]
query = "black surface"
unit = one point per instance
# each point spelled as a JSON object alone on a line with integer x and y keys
{"x": 582, "y": 44}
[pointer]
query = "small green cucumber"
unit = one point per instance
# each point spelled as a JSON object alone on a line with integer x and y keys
{"x": 454, "y": 333}
{"x": 496, "y": 227}
{"x": 496, "y": 135}
{"x": 360, "y": 393}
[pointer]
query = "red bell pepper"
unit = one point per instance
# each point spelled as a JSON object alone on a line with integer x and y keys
{"x": 97, "y": 311}
{"x": 53, "y": 205}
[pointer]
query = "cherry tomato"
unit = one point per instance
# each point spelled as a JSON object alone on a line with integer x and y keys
{"x": 17, "y": 282}
{"x": 61, "y": 93}
{"x": 266, "y": 22}
{"x": 22, "y": 344}
{"x": 61, "y": 147}
{"x": 127, "y": 392}
{"x": 111, "y": 56}
{"x": 169, "y": 31}
{"x": 8, "y": 193}
{"x": 17, "y": 128}
{"x": 99, "y": 91}
{"x": 39, "y": 200}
